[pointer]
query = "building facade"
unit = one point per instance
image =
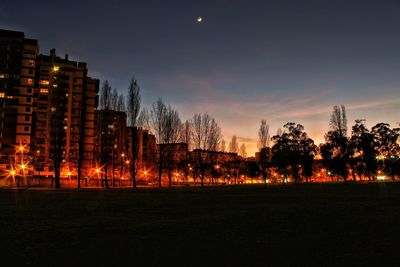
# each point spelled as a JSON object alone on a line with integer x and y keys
{"x": 63, "y": 120}
{"x": 17, "y": 74}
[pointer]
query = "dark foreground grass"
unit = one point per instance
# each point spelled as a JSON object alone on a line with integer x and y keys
{"x": 301, "y": 225}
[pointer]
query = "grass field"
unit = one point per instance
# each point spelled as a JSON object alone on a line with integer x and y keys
{"x": 301, "y": 225}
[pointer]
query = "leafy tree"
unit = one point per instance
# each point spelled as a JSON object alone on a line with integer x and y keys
{"x": 362, "y": 144}
{"x": 293, "y": 150}
{"x": 336, "y": 151}
{"x": 387, "y": 146}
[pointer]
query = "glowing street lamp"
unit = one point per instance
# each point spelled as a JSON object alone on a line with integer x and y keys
{"x": 12, "y": 173}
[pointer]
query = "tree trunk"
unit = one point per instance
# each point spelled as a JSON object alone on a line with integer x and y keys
{"x": 133, "y": 174}
{"x": 57, "y": 177}
{"x": 105, "y": 177}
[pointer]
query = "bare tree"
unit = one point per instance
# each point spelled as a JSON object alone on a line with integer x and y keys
{"x": 105, "y": 98}
{"x": 222, "y": 147}
{"x": 121, "y": 103}
{"x": 133, "y": 102}
{"x": 133, "y": 108}
{"x": 143, "y": 120}
{"x": 206, "y": 135}
{"x": 234, "y": 145}
{"x": 186, "y": 135}
{"x": 338, "y": 121}
{"x": 242, "y": 151}
{"x": 166, "y": 125}
{"x": 263, "y": 135}
{"x": 114, "y": 100}
{"x": 57, "y": 133}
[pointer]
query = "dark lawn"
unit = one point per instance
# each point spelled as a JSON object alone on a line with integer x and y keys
{"x": 300, "y": 225}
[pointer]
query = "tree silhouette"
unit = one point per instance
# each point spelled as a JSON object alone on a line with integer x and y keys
{"x": 338, "y": 121}
{"x": 362, "y": 143}
{"x": 387, "y": 146}
{"x": 206, "y": 136}
{"x": 263, "y": 146}
{"x": 263, "y": 135}
{"x": 233, "y": 145}
{"x": 337, "y": 151}
{"x": 166, "y": 125}
{"x": 242, "y": 151}
{"x": 133, "y": 108}
{"x": 105, "y": 97}
{"x": 293, "y": 150}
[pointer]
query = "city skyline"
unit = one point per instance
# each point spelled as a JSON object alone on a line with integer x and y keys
{"x": 243, "y": 63}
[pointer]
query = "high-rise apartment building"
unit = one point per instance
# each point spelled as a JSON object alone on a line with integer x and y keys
{"x": 64, "y": 115}
{"x": 17, "y": 75}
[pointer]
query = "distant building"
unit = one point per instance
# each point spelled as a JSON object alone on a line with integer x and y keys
{"x": 17, "y": 75}
{"x": 146, "y": 152}
{"x": 216, "y": 156}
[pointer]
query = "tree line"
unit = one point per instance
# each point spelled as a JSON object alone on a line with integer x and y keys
{"x": 365, "y": 153}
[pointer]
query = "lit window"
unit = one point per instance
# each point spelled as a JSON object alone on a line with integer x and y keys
{"x": 55, "y": 85}
{"x": 2, "y": 95}
{"x": 56, "y": 68}
{"x": 31, "y": 62}
{"x": 44, "y": 90}
{"x": 30, "y": 81}
{"x": 2, "y": 76}
{"x": 44, "y": 82}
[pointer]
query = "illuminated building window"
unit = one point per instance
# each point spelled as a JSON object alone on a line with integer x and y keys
{"x": 10, "y": 97}
{"x": 55, "y": 85}
{"x": 56, "y": 68}
{"x": 30, "y": 81}
{"x": 44, "y": 90}
{"x": 2, "y": 76}
{"x": 44, "y": 82}
{"x": 31, "y": 62}
{"x": 2, "y": 95}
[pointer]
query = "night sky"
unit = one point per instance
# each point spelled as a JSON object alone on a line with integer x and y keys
{"x": 249, "y": 60}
